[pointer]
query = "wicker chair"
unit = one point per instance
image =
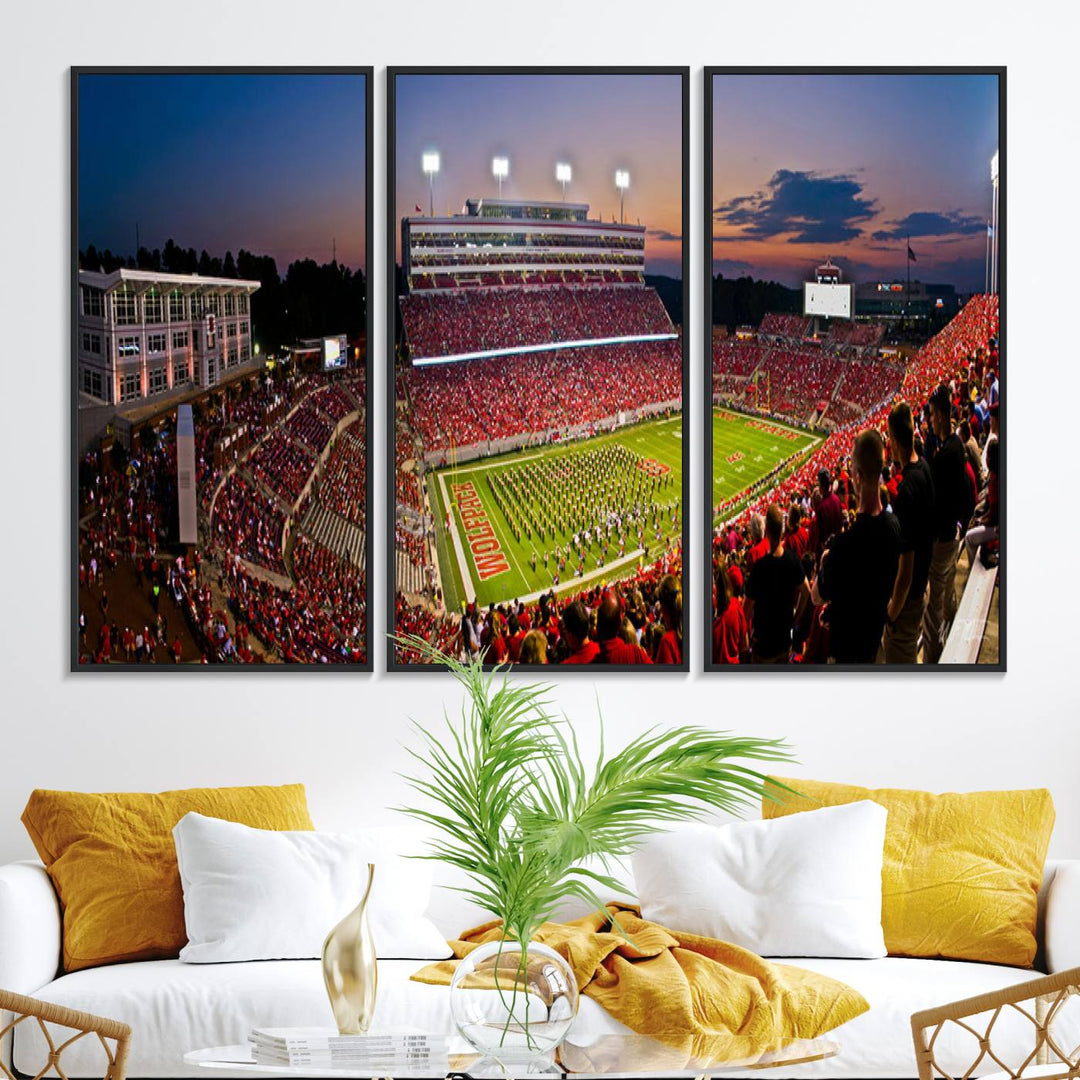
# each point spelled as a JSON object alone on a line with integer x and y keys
{"x": 82, "y": 1024}
{"x": 1040, "y": 1002}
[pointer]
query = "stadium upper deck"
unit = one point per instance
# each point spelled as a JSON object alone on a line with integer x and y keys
{"x": 511, "y": 276}
{"x": 515, "y": 242}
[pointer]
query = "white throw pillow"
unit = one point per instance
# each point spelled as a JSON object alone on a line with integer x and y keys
{"x": 258, "y": 894}
{"x": 804, "y": 885}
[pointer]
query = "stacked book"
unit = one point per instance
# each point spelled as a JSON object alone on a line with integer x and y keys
{"x": 399, "y": 1050}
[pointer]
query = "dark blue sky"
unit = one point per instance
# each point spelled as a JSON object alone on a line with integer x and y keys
{"x": 271, "y": 163}
{"x": 596, "y": 123}
{"x": 848, "y": 166}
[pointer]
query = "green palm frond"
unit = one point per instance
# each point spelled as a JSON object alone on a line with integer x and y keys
{"x": 516, "y": 808}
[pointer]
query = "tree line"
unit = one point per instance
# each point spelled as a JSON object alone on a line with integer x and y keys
{"x": 744, "y": 301}
{"x": 311, "y": 300}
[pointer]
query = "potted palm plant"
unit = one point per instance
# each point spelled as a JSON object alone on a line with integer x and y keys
{"x": 513, "y": 804}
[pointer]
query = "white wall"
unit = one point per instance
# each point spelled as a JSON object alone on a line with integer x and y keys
{"x": 341, "y": 734}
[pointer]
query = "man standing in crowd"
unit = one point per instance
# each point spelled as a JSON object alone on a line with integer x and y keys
{"x": 829, "y": 517}
{"x": 858, "y": 569}
{"x": 914, "y": 509}
{"x": 759, "y": 546}
{"x": 776, "y": 595}
{"x": 952, "y": 510}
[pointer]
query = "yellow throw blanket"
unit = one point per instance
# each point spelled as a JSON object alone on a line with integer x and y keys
{"x": 704, "y": 998}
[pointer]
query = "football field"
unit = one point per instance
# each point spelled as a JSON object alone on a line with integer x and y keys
{"x": 503, "y": 509}
{"x": 746, "y": 448}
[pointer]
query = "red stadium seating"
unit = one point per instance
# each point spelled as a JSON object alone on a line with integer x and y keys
{"x": 450, "y": 323}
{"x": 859, "y": 335}
{"x": 477, "y": 400}
{"x": 788, "y": 326}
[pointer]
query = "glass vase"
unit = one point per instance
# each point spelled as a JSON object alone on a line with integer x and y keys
{"x": 514, "y": 1004}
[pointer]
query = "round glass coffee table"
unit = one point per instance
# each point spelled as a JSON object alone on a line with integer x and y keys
{"x": 629, "y": 1056}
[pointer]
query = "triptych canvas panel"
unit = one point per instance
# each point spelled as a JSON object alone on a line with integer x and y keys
{"x": 537, "y": 369}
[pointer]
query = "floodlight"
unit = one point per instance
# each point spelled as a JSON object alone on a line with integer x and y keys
{"x": 622, "y": 182}
{"x": 430, "y": 160}
{"x": 500, "y": 169}
{"x": 562, "y": 174}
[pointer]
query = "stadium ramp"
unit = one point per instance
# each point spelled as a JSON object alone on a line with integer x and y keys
{"x": 965, "y": 637}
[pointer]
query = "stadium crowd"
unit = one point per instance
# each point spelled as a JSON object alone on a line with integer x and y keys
{"x": 320, "y": 617}
{"x": 449, "y": 322}
{"x": 319, "y": 621}
{"x": 858, "y": 335}
{"x": 637, "y": 620}
{"x": 853, "y": 557}
{"x": 345, "y": 476}
{"x": 775, "y": 324}
{"x": 507, "y": 396}
{"x": 249, "y": 523}
{"x": 794, "y": 380}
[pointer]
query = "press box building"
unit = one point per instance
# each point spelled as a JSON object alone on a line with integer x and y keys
{"x": 142, "y": 333}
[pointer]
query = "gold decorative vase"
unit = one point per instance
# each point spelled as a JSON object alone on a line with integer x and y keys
{"x": 349, "y": 968}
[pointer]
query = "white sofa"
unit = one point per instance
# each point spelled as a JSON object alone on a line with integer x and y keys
{"x": 175, "y": 1007}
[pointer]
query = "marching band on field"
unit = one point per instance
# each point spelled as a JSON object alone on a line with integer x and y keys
{"x": 584, "y": 503}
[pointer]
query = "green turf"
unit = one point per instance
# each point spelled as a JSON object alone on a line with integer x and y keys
{"x": 743, "y": 453}
{"x": 657, "y": 439}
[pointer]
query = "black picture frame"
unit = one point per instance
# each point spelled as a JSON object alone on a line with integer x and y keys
{"x": 367, "y": 72}
{"x": 705, "y": 564}
{"x": 392, "y": 73}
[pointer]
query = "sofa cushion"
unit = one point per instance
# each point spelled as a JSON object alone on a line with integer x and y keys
{"x": 272, "y": 894}
{"x": 175, "y": 1007}
{"x": 112, "y": 860}
{"x": 961, "y": 872}
{"x": 804, "y": 885}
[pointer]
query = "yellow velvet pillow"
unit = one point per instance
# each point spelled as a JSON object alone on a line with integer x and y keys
{"x": 961, "y": 872}
{"x": 113, "y": 864}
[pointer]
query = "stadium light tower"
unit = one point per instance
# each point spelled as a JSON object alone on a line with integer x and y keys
{"x": 431, "y": 167}
{"x": 994, "y": 224}
{"x": 563, "y": 174}
{"x": 622, "y": 182}
{"x": 500, "y": 169}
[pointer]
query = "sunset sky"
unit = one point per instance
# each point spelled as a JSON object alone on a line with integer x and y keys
{"x": 848, "y": 166}
{"x": 597, "y": 123}
{"x": 274, "y": 164}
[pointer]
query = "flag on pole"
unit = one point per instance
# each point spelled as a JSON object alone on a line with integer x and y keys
{"x": 911, "y": 254}
{"x": 419, "y": 209}
{"x": 989, "y": 229}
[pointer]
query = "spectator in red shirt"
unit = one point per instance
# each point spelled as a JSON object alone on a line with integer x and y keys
{"x": 796, "y": 538}
{"x": 830, "y": 514}
{"x": 575, "y": 631}
{"x": 670, "y": 650}
{"x": 759, "y": 546}
{"x": 730, "y": 632}
{"x": 613, "y": 650}
{"x": 517, "y": 636}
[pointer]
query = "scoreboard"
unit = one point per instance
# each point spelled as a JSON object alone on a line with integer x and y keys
{"x": 335, "y": 353}
{"x": 831, "y": 300}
